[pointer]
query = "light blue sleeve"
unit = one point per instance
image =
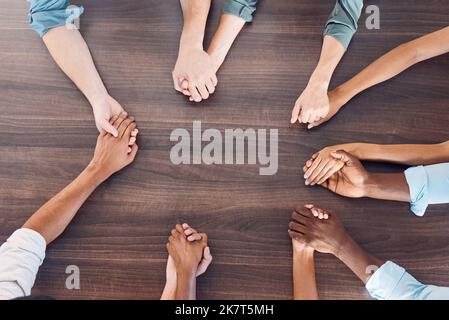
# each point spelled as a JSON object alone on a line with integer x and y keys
{"x": 241, "y": 8}
{"x": 392, "y": 282}
{"x": 48, "y": 14}
{"x": 428, "y": 185}
{"x": 342, "y": 22}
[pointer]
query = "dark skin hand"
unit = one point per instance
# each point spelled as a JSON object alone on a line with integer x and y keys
{"x": 186, "y": 257}
{"x": 328, "y": 235}
{"x": 350, "y": 179}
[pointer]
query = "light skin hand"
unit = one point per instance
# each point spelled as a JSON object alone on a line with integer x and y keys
{"x": 322, "y": 166}
{"x": 194, "y": 72}
{"x": 313, "y": 104}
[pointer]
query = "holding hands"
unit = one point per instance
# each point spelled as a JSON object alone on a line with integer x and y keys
{"x": 338, "y": 171}
{"x": 114, "y": 153}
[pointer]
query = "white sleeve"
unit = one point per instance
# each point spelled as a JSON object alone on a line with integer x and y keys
{"x": 20, "y": 258}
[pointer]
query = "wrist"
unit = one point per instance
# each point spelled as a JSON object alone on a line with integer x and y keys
{"x": 371, "y": 185}
{"x": 97, "y": 173}
{"x": 343, "y": 248}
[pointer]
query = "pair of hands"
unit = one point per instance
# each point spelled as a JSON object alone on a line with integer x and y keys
{"x": 316, "y": 105}
{"x": 317, "y": 229}
{"x": 338, "y": 171}
{"x": 194, "y": 74}
{"x": 188, "y": 252}
{"x": 114, "y": 153}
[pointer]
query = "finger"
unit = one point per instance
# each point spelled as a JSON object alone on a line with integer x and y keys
{"x": 304, "y": 212}
{"x": 315, "y": 212}
{"x": 195, "y": 96}
{"x": 124, "y": 127}
{"x": 186, "y": 93}
{"x": 210, "y": 86}
{"x": 330, "y": 171}
{"x": 309, "y": 163}
{"x": 174, "y": 233}
{"x": 214, "y": 80}
{"x": 297, "y": 227}
{"x": 299, "y": 218}
{"x": 127, "y": 132}
{"x": 132, "y": 154}
{"x": 203, "y": 91}
{"x": 295, "y": 112}
{"x": 132, "y": 140}
{"x": 135, "y": 133}
{"x": 176, "y": 82}
{"x": 317, "y": 171}
{"x": 113, "y": 119}
{"x": 324, "y": 171}
{"x": 122, "y": 117}
{"x": 179, "y": 229}
{"x": 312, "y": 169}
{"x": 297, "y": 236}
{"x": 309, "y": 206}
{"x": 194, "y": 237}
{"x": 184, "y": 84}
{"x": 205, "y": 262}
{"x": 109, "y": 128}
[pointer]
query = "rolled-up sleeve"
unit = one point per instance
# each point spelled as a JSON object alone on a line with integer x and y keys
{"x": 48, "y": 14}
{"x": 20, "y": 258}
{"x": 427, "y": 185}
{"x": 241, "y": 8}
{"x": 392, "y": 282}
{"x": 342, "y": 23}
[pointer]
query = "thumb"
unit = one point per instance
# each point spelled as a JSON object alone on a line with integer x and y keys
{"x": 205, "y": 262}
{"x": 105, "y": 125}
{"x": 342, "y": 155}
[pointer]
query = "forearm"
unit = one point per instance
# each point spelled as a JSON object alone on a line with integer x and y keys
{"x": 331, "y": 54}
{"x": 54, "y": 216}
{"x": 186, "y": 285}
{"x": 408, "y": 154}
{"x": 396, "y": 61}
{"x": 387, "y": 186}
{"x": 358, "y": 260}
{"x": 195, "y": 14}
{"x": 304, "y": 280}
{"x": 227, "y": 31}
{"x": 70, "y": 52}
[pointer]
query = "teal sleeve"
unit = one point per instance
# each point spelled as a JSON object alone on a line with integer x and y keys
{"x": 48, "y": 14}
{"x": 342, "y": 23}
{"x": 241, "y": 8}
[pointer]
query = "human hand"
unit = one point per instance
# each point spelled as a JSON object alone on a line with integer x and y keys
{"x": 336, "y": 101}
{"x": 104, "y": 109}
{"x": 189, "y": 255}
{"x": 114, "y": 153}
{"x": 352, "y": 178}
{"x": 312, "y": 105}
{"x": 322, "y": 165}
{"x": 195, "y": 73}
{"x": 317, "y": 228}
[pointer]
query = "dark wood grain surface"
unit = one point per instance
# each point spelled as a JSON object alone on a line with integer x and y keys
{"x": 47, "y": 135}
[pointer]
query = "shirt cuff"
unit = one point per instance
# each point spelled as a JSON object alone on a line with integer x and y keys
{"x": 240, "y": 9}
{"x": 418, "y": 183}
{"x": 28, "y": 240}
{"x": 48, "y": 14}
{"x": 340, "y": 32}
{"x": 384, "y": 281}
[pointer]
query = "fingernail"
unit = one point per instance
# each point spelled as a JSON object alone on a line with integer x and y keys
{"x": 307, "y": 183}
